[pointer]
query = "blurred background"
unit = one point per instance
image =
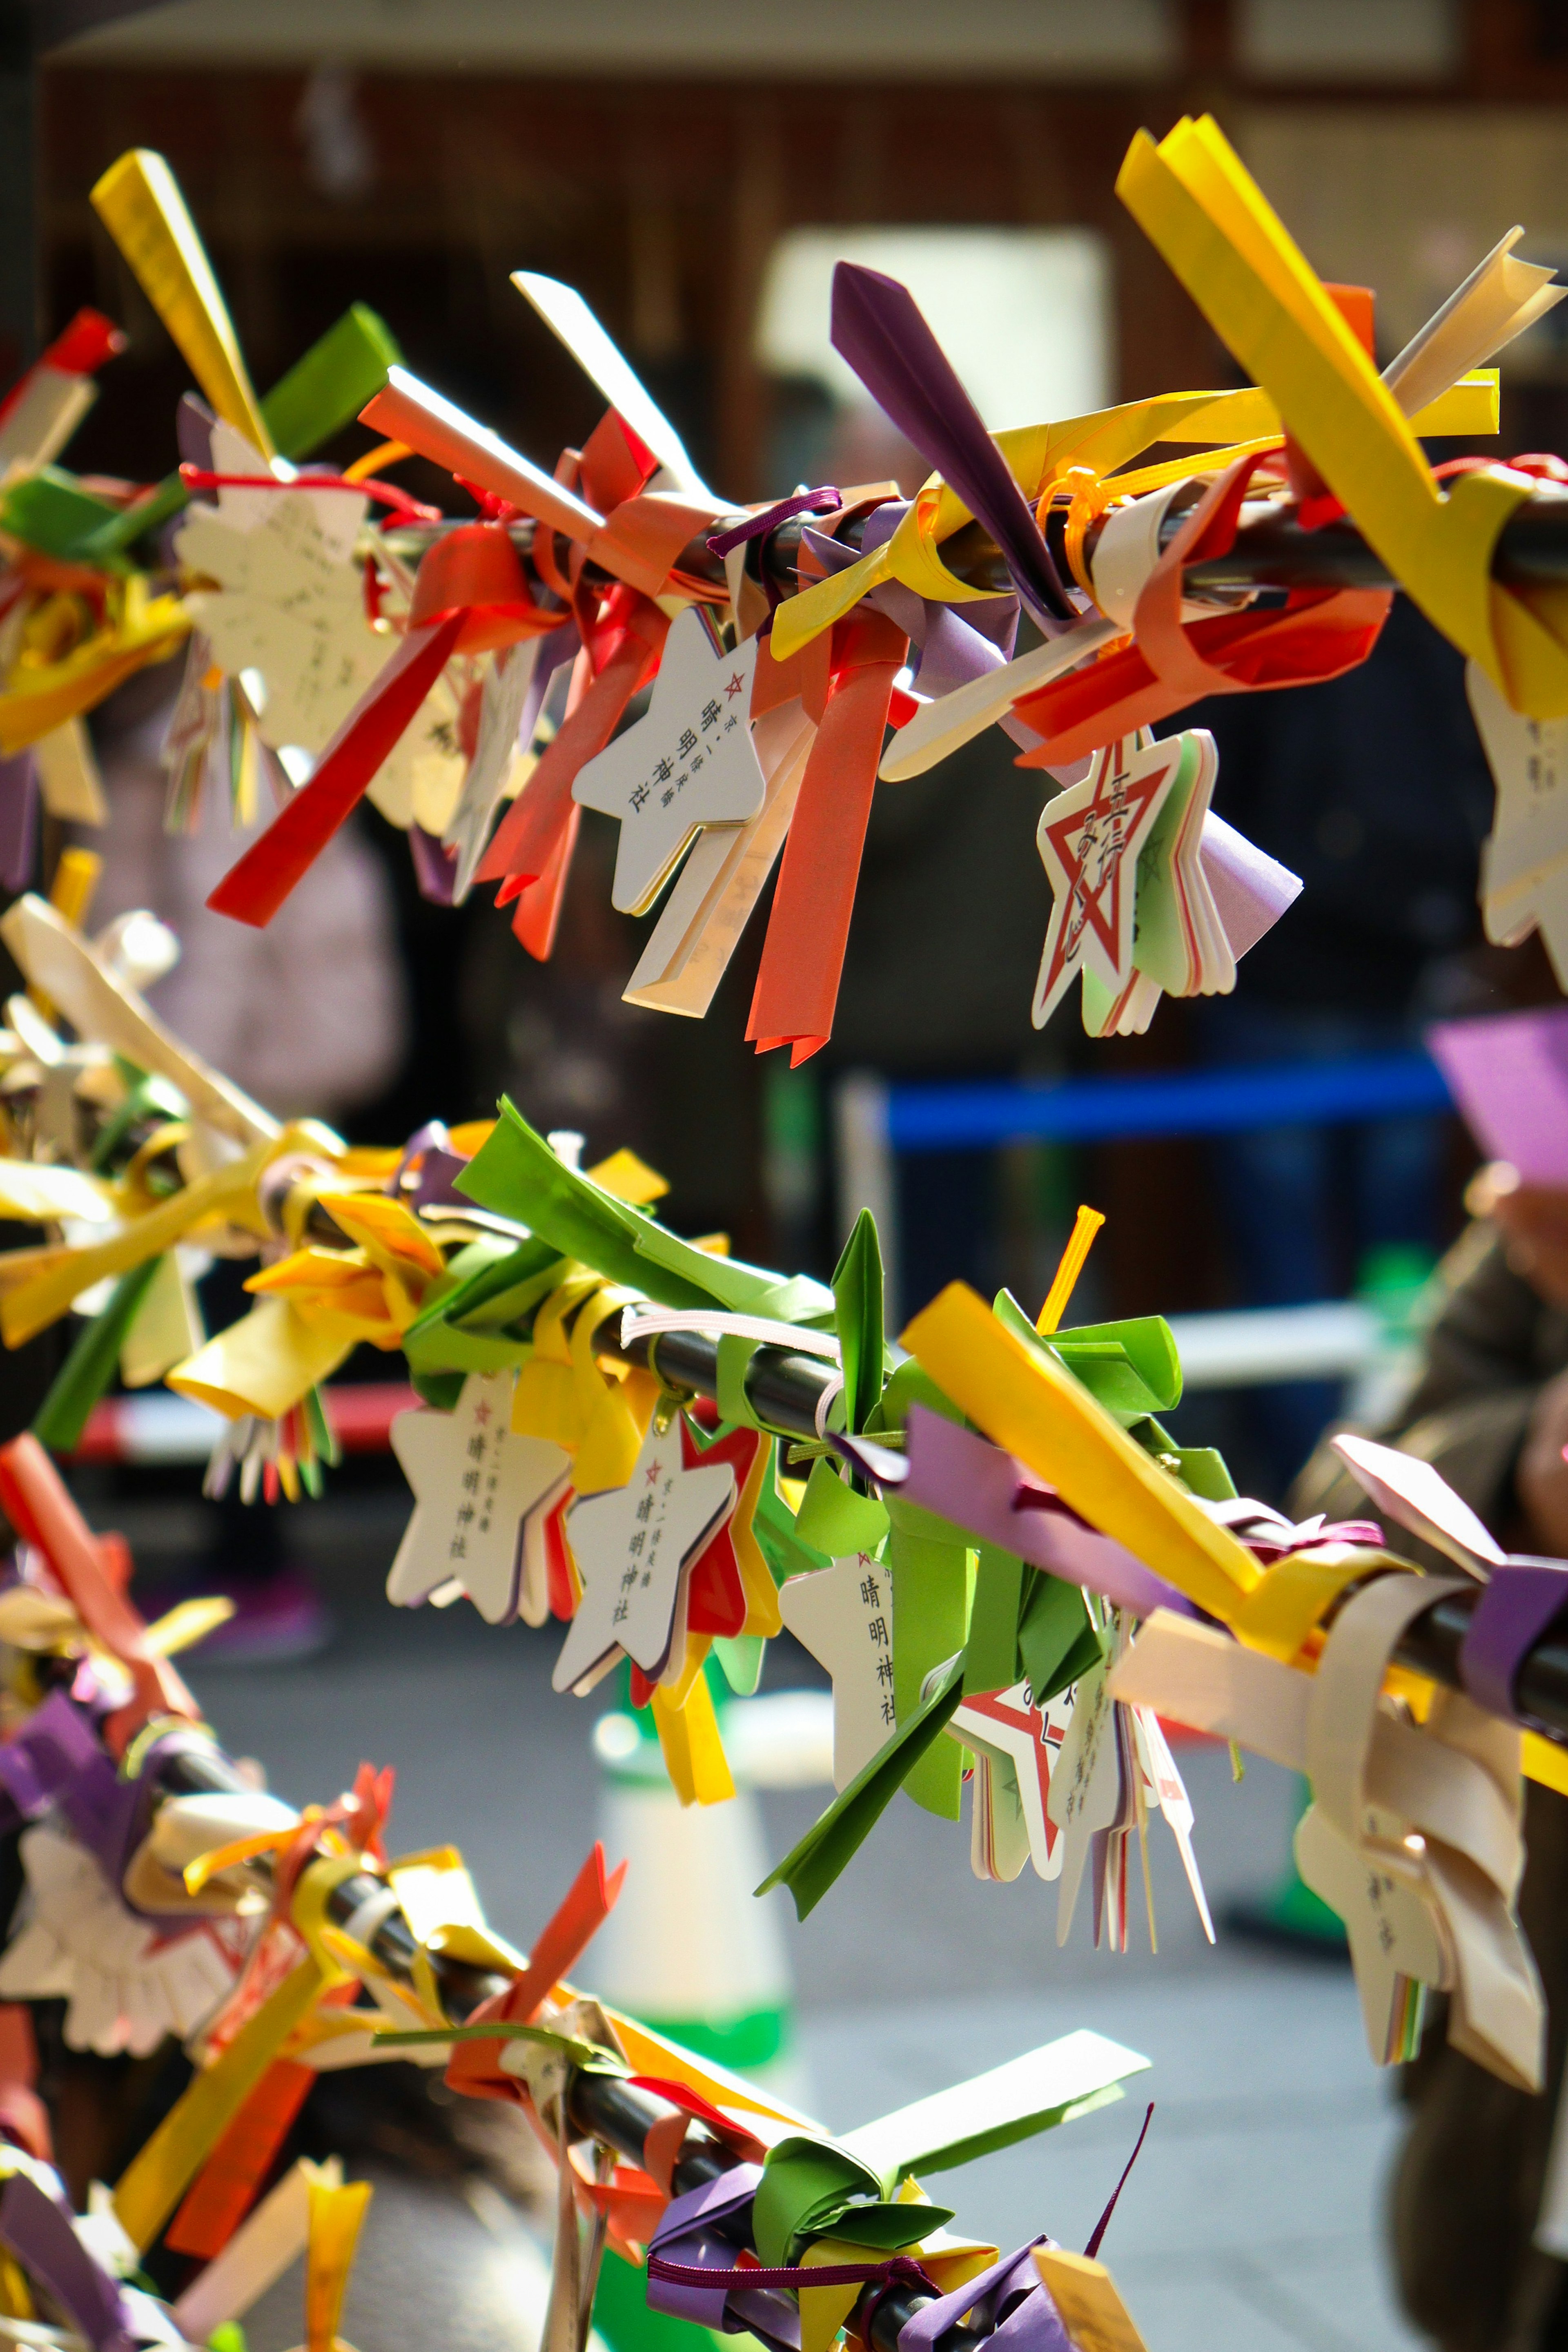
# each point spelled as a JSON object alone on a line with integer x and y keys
{"x": 695, "y": 169}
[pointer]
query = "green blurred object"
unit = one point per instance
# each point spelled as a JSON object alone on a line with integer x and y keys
{"x": 1393, "y": 1278}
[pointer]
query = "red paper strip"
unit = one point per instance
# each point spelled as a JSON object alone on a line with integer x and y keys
{"x": 803, "y": 955}
{"x": 253, "y": 889}
{"x": 540, "y": 902}
{"x": 34, "y": 1497}
{"x": 1318, "y": 636}
{"x": 475, "y": 2066}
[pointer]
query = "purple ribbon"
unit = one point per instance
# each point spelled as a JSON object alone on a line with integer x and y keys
{"x": 824, "y": 500}
{"x": 1515, "y": 1609}
{"x": 963, "y": 1477}
{"x": 1096, "y": 2235}
{"x": 40, "y": 2234}
{"x": 878, "y": 328}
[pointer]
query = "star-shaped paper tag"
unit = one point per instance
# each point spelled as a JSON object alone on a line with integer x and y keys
{"x": 689, "y": 761}
{"x": 1524, "y": 864}
{"x": 1008, "y": 1724}
{"x": 1394, "y": 1931}
{"x": 843, "y": 1615}
{"x": 1086, "y": 1793}
{"x": 475, "y": 1480}
{"x": 719, "y": 1590}
{"x": 630, "y": 1546}
{"x": 1089, "y": 838}
{"x": 289, "y": 600}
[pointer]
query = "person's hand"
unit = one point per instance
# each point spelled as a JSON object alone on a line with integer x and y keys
{"x": 1533, "y": 1221}
{"x": 1541, "y": 1480}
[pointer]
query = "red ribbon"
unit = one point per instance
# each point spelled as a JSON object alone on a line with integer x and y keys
{"x": 197, "y": 477}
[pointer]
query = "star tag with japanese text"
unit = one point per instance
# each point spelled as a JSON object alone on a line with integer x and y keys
{"x": 688, "y": 762}
{"x": 632, "y": 1546}
{"x": 1088, "y": 839}
{"x": 476, "y": 1480}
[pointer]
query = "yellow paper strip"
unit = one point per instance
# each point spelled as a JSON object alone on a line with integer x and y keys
{"x": 336, "y": 2217}
{"x": 139, "y": 202}
{"x": 1032, "y": 1406}
{"x": 159, "y": 2177}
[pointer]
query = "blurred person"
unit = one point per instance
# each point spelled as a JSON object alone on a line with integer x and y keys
{"x": 1374, "y": 788}
{"x": 1489, "y": 1410}
{"x": 307, "y": 1015}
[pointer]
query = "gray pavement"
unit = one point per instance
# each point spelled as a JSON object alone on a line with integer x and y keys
{"x": 1253, "y": 2222}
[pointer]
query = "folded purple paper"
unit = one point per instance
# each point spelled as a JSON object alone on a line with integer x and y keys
{"x": 1508, "y": 1076}
{"x": 962, "y": 1477}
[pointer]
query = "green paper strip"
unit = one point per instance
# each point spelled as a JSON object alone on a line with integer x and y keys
{"x": 837, "y": 1835}
{"x": 857, "y": 1300}
{"x": 833, "y": 1519}
{"x": 802, "y": 2177}
{"x": 90, "y": 1366}
{"x": 991, "y": 1652}
{"x": 327, "y": 389}
{"x": 932, "y": 1584}
{"x": 735, "y": 1354}
{"x": 1057, "y": 1643}
{"x": 516, "y": 1174}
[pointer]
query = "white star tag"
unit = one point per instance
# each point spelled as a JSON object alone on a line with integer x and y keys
{"x": 630, "y": 1546}
{"x": 1524, "y": 863}
{"x": 689, "y": 761}
{"x": 843, "y": 1615}
{"x": 1008, "y": 1724}
{"x": 475, "y": 1480}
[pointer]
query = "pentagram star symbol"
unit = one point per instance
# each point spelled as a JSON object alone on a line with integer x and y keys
{"x": 1009, "y": 1723}
{"x": 1089, "y": 840}
{"x": 688, "y": 763}
{"x": 843, "y": 1615}
{"x": 476, "y": 1480}
{"x": 632, "y": 1546}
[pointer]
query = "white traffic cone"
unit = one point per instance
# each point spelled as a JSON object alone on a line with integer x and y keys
{"x": 688, "y": 1948}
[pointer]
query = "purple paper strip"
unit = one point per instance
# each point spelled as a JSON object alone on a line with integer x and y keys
{"x": 962, "y": 1477}
{"x": 1032, "y": 2325}
{"x": 53, "y": 1746}
{"x": 878, "y": 328}
{"x": 435, "y": 868}
{"x": 684, "y": 2233}
{"x": 1508, "y": 1074}
{"x": 18, "y": 820}
{"x": 1517, "y": 1606}
{"x": 1251, "y": 890}
{"x": 41, "y": 2235}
